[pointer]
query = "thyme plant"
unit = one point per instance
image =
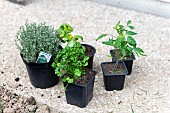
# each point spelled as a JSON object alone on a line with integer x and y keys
{"x": 123, "y": 43}
{"x": 34, "y": 38}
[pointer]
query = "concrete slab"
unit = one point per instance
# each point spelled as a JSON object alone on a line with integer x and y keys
{"x": 147, "y": 88}
{"x": 156, "y": 7}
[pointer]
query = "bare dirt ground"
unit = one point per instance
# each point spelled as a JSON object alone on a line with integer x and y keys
{"x": 147, "y": 88}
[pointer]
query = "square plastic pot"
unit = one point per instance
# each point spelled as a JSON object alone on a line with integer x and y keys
{"x": 128, "y": 62}
{"x": 80, "y": 95}
{"x": 91, "y": 55}
{"x": 113, "y": 81}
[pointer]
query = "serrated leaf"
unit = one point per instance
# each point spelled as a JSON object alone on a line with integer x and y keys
{"x": 131, "y": 27}
{"x": 101, "y": 36}
{"x": 130, "y": 33}
{"x": 129, "y": 22}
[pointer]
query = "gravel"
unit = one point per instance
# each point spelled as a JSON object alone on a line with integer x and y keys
{"x": 13, "y": 103}
{"x": 147, "y": 88}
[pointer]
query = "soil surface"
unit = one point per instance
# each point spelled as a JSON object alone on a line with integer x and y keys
{"x": 109, "y": 68}
{"x": 85, "y": 77}
{"x": 89, "y": 51}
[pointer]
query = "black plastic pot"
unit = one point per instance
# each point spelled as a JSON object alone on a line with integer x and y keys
{"x": 128, "y": 62}
{"x": 113, "y": 81}
{"x": 78, "y": 94}
{"x": 41, "y": 75}
{"x": 91, "y": 55}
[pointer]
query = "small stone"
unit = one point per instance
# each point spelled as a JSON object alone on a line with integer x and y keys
{"x": 15, "y": 107}
{"x": 43, "y": 109}
{"x": 17, "y": 79}
{"x": 8, "y": 110}
{"x": 42, "y": 95}
{"x": 59, "y": 96}
{"x": 5, "y": 97}
{"x": 31, "y": 107}
{"x": 21, "y": 100}
{"x": 31, "y": 101}
{"x": 2, "y": 72}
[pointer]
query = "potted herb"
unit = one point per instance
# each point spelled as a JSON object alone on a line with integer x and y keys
{"x": 125, "y": 44}
{"x": 33, "y": 39}
{"x": 70, "y": 65}
{"x": 64, "y": 32}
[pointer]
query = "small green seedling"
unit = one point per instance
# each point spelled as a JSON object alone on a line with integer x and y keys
{"x": 123, "y": 43}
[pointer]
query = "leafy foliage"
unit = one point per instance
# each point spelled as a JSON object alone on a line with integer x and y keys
{"x": 124, "y": 43}
{"x": 64, "y": 32}
{"x": 34, "y": 38}
{"x": 70, "y": 62}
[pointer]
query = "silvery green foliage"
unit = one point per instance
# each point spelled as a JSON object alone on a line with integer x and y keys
{"x": 34, "y": 38}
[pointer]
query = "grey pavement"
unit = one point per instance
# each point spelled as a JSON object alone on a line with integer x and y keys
{"x": 156, "y": 7}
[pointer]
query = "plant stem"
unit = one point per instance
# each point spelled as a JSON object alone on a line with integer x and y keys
{"x": 117, "y": 59}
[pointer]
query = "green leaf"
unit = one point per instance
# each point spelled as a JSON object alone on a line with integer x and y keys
{"x": 129, "y": 48}
{"x": 131, "y": 27}
{"x": 86, "y": 64}
{"x": 130, "y": 33}
{"x": 131, "y": 41}
{"x": 139, "y": 50}
{"x": 124, "y": 52}
{"x": 110, "y": 43}
{"x": 57, "y": 72}
{"x": 78, "y": 37}
{"x": 131, "y": 108}
{"x": 129, "y": 22}
{"x": 109, "y": 56}
{"x": 77, "y": 72}
{"x": 66, "y": 27}
{"x": 121, "y": 26}
{"x": 101, "y": 36}
{"x": 117, "y": 24}
{"x": 64, "y": 79}
{"x": 70, "y": 81}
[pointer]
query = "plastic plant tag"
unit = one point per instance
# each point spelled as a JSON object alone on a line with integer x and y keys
{"x": 43, "y": 57}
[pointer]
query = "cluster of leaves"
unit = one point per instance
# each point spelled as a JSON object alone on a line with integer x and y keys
{"x": 70, "y": 62}
{"x": 34, "y": 38}
{"x": 64, "y": 32}
{"x": 124, "y": 43}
